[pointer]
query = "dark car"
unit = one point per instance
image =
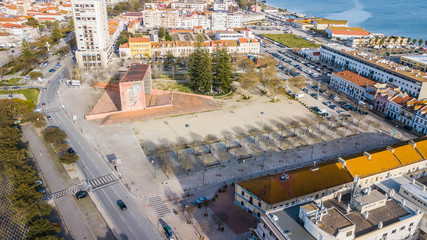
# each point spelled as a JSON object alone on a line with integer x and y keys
{"x": 43, "y": 104}
{"x": 81, "y": 194}
{"x": 49, "y": 117}
{"x": 41, "y": 189}
{"x": 52, "y": 70}
{"x": 121, "y": 205}
{"x": 71, "y": 150}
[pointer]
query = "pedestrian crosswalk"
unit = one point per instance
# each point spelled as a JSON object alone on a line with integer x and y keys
{"x": 158, "y": 205}
{"x": 102, "y": 181}
{"x": 48, "y": 110}
{"x": 62, "y": 193}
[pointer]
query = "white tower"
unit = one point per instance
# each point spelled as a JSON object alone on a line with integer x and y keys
{"x": 94, "y": 46}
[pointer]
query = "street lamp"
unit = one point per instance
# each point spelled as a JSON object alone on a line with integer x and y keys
{"x": 187, "y": 126}
{"x": 262, "y": 124}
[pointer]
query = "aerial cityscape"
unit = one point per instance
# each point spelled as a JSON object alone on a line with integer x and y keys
{"x": 213, "y": 119}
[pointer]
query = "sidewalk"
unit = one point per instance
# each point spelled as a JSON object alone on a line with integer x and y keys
{"x": 67, "y": 206}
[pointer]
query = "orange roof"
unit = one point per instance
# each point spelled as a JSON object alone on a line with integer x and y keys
{"x": 421, "y": 146}
{"x": 300, "y": 182}
{"x": 11, "y": 25}
{"x": 243, "y": 40}
{"x": 355, "y": 78}
{"x": 66, "y": 5}
{"x": 198, "y": 27}
{"x": 180, "y": 31}
{"x": 124, "y": 45}
{"x": 379, "y": 162}
{"x": 349, "y": 31}
{"x": 401, "y": 99}
{"x": 140, "y": 39}
{"x": 407, "y": 154}
{"x": 8, "y": 20}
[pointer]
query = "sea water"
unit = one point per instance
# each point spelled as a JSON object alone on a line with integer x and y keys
{"x": 391, "y": 17}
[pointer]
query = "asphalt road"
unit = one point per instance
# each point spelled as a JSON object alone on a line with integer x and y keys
{"x": 72, "y": 216}
{"x": 130, "y": 224}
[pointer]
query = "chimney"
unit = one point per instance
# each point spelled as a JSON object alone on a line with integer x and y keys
{"x": 339, "y": 197}
{"x": 347, "y": 210}
{"x": 413, "y": 181}
{"x": 380, "y": 225}
{"x": 367, "y": 155}
{"x": 366, "y": 215}
{"x": 390, "y": 148}
{"x": 342, "y": 161}
{"x": 413, "y": 144}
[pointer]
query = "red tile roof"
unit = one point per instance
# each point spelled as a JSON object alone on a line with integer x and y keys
{"x": 140, "y": 39}
{"x": 355, "y": 78}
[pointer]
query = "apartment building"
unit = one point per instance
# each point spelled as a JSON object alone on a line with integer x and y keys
{"x": 351, "y": 84}
{"x": 248, "y": 45}
{"x": 190, "y": 6}
{"x": 140, "y": 47}
{"x": 224, "y": 20}
{"x": 225, "y": 5}
{"x": 194, "y": 20}
{"x": 417, "y": 62}
{"x": 331, "y": 179}
{"x": 412, "y": 81}
{"x": 168, "y": 18}
{"x": 94, "y": 46}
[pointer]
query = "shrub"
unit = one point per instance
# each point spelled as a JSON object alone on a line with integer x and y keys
{"x": 68, "y": 158}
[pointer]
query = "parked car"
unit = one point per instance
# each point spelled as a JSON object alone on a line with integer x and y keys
{"x": 39, "y": 182}
{"x": 121, "y": 205}
{"x": 333, "y": 107}
{"x": 49, "y": 117}
{"x": 52, "y": 70}
{"x": 327, "y": 103}
{"x": 41, "y": 189}
{"x": 43, "y": 104}
{"x": 81, "y": 194}
{"x": 71, "y": 150}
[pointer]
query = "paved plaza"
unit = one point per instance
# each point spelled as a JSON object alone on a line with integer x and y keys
{"x": 240, "y": 157}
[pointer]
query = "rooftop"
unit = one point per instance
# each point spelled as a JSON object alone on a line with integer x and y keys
{"x": 139, "y": 39}
{"x": 418, "y": 58}
{"x": 390, "y": 213}
{"x": 349, "y": 31}
{"x": 333, "y": 222}
{"x": 300, "y": 182}
{"x": 407, "y": 154}
{"x": 372, "y": 197}
{"x": 421, "y": 145}
{"x": 355, "y": 78}
{"x": 287, "y": 222}
{"x": 384, "y": 63}
{"x": 136, "y": 72}
{"x": 327, "y": 21}
{"x": 378, "y": 162}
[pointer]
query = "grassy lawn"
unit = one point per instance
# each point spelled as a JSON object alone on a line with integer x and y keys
{"x": 171, "y": 86}
{"x": 11, "y": 82}
{"x": 30, "y": 93}
{"x": 291, "y": 40}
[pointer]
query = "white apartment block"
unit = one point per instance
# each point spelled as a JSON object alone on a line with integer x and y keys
{"x": 224, "y": 5}
{"x": 228, "y": 35}
{"x": 94, "y": 46}
{"x": 161, "y": 18}
{"x": 351, "y": 84}
{"x": 193, "y": 21}
{"x": 373, "y": 67}
{"x": 248, "y": 46}
{"x": 224, "y": 20}
{"x": 199, "y": 7}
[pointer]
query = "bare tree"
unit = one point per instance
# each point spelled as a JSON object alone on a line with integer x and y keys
{"x": 164, "y": 158}
{"x": 281, "y": 128}
{"x": 254, "y": 132}
{"x": 205, "y": 206}
{"x": 219, "y": 219}
{"x": 185, "y": 161}
{"x": 294, "y": 125}
{"x": 210, "y": 139}
{"x": 248, "y": 81}
{"x": 189, "y": 212}
{"x": 194, "y": 144}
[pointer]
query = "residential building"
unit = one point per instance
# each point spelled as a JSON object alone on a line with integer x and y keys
{"x": 415, "y": 192}
{"x": 225, "y": 5}
{"x": 167, "y": 18}
{"x": 331, "y": 179}
{"x": 415, "y": 61}
{"x": 115, "y": 27}
{"x": 412, "y": 81}
{"x": 382, "y": 98}
{"x": 94, "y": 46}
{"x": 248, "y": 45}
{"x": 224, "y": 20}
{"x": 396, "y": 103}
{"x": 312, "y": 54}
{"x": 351, "y": 84}
{"x": 255, "y": 8}
{"x": 322, "y": 23}
{"x": 124, "y": 50}
{"x": 303, "y": 24}
{"x": 346, "y": 32}
{"x": 140, "y": 47}
{"x": 194, "y": 20}
{"x": 8, "y": 40}
{"x": 134, "y": 26}
{"x": 132, "y": 16}
{"x": 420, "y": 122}
{"x": 228, "y": 35}
{"x": 191, "y": 6}
{"x": 253, "y": 18}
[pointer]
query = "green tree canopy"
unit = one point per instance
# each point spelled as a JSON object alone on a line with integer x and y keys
{"x": 35, "y": 75}
{"x": 222, "y": 70}
{"x": 168, "y": 37}
{"x": 200, "y": 70}
{"x": 32, "y": 22}
{"x": 69, "y": 158}
{"x": 56, "y": 32}
{"x": 54, "y": 135}
{"x": 161, "y": 32}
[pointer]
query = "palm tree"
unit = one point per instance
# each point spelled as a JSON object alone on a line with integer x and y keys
{"x": 408, "y": 41}
{"x": 414, "y": 41}
{"x": 420, "y": 42}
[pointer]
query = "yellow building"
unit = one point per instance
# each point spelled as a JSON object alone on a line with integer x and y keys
{"x": 291, "y": 188}
{"x": 418, "y": 62}
{"x": 140, "y": 47}
{"x": 331, "y": 178}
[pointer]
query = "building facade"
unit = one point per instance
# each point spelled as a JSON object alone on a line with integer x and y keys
{"x": 351, "y": 84}
{"x": 167, "y": 18}
{"x": 94, "y": 47}
{"x": 140, "y": 47}
{"x": 378, "y": 69}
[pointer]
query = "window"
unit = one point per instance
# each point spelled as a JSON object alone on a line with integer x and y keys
{"x": 393, "y": 232}
{"x": 243, "y": 193}
{"x": 349, "y": 234}
{"x": 259, "y": 215}
{"x": 251, "y": 200}
{"x": 241, "y": 203}
{"x": 384, "y": 235}
{"x": 411, "y": 224}
{"x": 402, "y": 228}
{"x": 259, "y": 204}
